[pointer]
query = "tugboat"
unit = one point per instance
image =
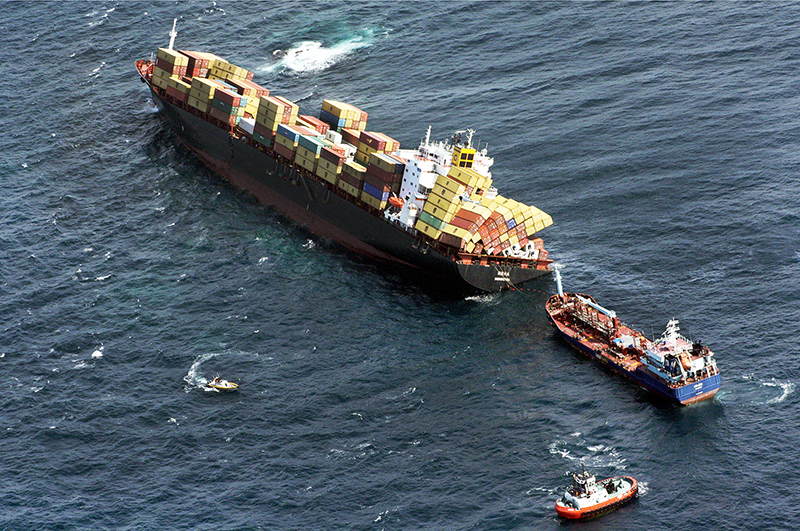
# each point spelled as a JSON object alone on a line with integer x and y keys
{"x": 671, "y": 367}
{"x": 588, "y": 498}
{"x": 219, "y": 384}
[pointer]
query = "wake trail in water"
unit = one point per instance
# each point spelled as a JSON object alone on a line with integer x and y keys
{"x": 313, "y": 56}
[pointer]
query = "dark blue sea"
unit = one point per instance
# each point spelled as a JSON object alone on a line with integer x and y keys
{"x": 662, "y": 137}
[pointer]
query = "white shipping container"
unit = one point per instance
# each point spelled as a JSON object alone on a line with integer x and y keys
{"x": 248, "y": 124}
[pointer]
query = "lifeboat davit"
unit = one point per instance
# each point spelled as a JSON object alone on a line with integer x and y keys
{"x": 588, "y": 498}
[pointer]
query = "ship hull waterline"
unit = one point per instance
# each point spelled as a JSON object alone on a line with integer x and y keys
{"x": 325, "y": 213}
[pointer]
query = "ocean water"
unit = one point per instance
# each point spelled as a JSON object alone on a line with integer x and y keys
{"x": 661, "y": 137}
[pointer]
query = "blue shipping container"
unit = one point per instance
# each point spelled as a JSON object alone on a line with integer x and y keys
{"x": 331, "y": 120}
{"x": 374, "y": 192}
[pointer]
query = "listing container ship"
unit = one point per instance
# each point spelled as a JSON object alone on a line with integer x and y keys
{"x": 671, "y": 367}
{"x": 433, "y": 208}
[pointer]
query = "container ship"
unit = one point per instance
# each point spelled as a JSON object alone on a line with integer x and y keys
{"x": 432, "y": 209}
{"x": 672, "y": 367}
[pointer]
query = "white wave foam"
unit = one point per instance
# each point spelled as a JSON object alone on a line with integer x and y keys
{"x": 490, "y": 298}
{"x": 757, "y": 391}
{"x": 592, "y": 455}
{"x": 312, "y": 56}
{"x": 193, "y": 378}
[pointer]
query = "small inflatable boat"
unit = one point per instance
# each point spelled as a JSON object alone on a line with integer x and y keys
{"x": 588, "y": 498}
{"x": 222, "y": 385}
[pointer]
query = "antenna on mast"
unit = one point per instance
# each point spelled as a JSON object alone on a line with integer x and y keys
{"x": 173, "y": 34}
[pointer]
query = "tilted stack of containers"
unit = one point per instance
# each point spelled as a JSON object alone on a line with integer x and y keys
{"x": 201, "y": 93}
{"x": 197, "y": 65}
{"x": 308, "y": 149}
{"x": 351, "y": 180}
{"x": 341, "y": 115}
{"x": 313, "y": 123}
{"x": 227, "y": 105}
{"x": 370, "y": 142}
{"x": 330, "y": 164}
{"x": 253, "y": 91}
{"x": 169, "y": 63}
{"x": 178, "y": 88}
{"x": 464, "y": 212}
{"x": 221, "y": 69}
{"x": 272, "y": 112}
{"x": 287, "y": 138}
{"x": 383, "y": 177}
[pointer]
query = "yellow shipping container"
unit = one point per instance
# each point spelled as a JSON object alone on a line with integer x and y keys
{"x": 458, "y": 232}
{"x": 179, "y": 85}
{"x": 374, "y": 202}
{"x": 348, "y": 188}
{"x": 445, "y": 214}
{"x": 449, "y": 195}
{"x": 306, "y": 153}
{"x": 286, "y": 142}
{"x": 326, "y": 175}
{"x": 427, "y": 229}
{"x": 470, "y": 246}
{"x": 330, "y": 166}
{"x": 200, "y": 105}
{"x": 467, "y": 176}
{"x": 308, "y": 164}
{"x": 355, "y": 169}
{"x": 450, "y": 184}
{"x": 172, "y": 57}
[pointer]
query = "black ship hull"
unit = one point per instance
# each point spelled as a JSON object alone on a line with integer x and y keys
{"x": 324, "y": 210}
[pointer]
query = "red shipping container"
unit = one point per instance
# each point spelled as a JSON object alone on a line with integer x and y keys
{"x": 484, "y": 232}
{"x": 227, "y": 96}
{"x": 461, "y": 223}
{"x": 494, "y": 234}
{"x": 332, "y": 156}
{"x": 452, "y": 241}
{"x": 378, "y": 183}
{"x": 195, "y": 59}
{"x": 349, "y": 179}
{"x": 283, "y": 151}
{"x": 372, "y": 140}
{"x": 263, "y": 130}
{"x": 318, "y": 124}
{"x": 219, "y": 114}
{"x": 177, "y": 94}
{"x": 384, "y": 175}
{"x": 351, "y": 136}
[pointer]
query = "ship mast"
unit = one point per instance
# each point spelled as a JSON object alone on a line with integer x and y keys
{"x": 173, "y": 34}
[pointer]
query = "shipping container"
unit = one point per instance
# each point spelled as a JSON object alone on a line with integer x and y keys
{"x": 377, "y": 193}
{"x": 315, "y": 123}
{"x": 431, "y": 220}
{"x": 285, "y": 152}
{"x": 372, "y": 201}
{"x": 348, "y": 188}
{"x": 427, "y": 229}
